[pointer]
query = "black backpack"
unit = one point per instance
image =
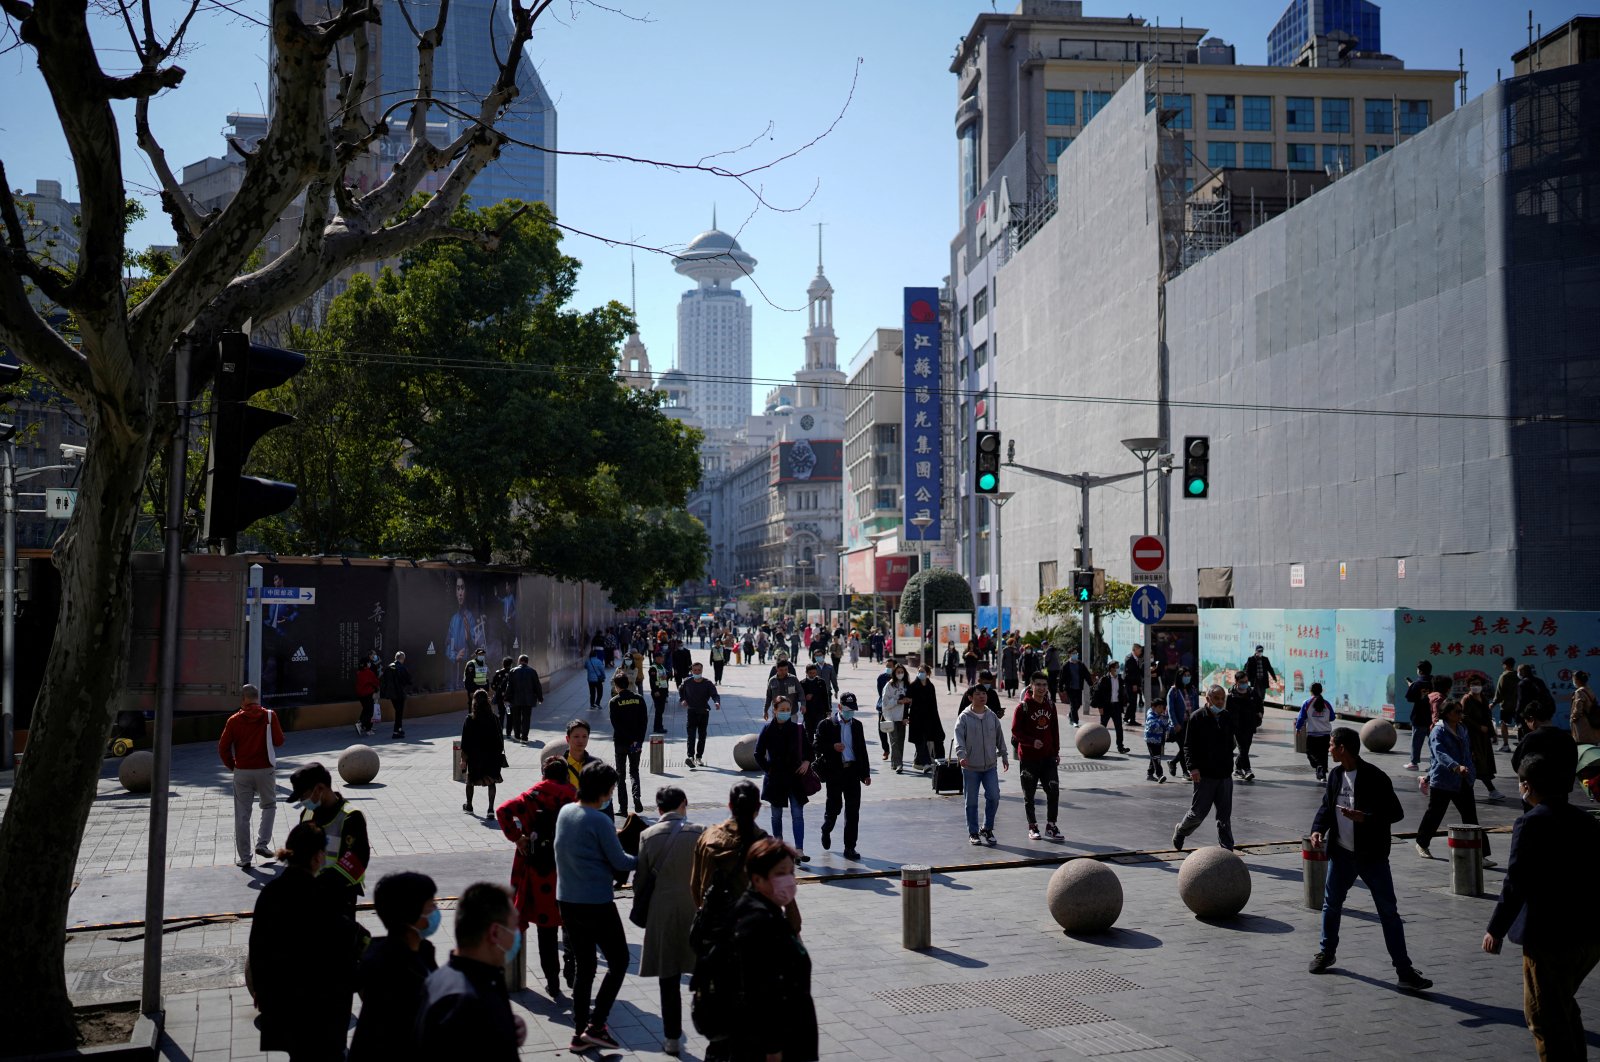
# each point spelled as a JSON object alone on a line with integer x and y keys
{"x": 542, "y": 841}
{"x": 715, "y": 988}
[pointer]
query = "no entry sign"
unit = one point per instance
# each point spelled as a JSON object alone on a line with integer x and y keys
{"x": 1147, "y": 555}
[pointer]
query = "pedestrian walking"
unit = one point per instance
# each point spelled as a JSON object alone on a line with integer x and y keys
{"x": 466, "y": 1009}
{"x": 594, "y": 669}
{"x": 1259, "y": 670}
{"x": 981, "y": 751}
{"x": 666, "y": 861}
{"x": 392, "y": 973}
{"x": 395, "y": 686}
{"x": 1450, "y": 779}
{"x": 629, "y": 718}
{"x": 1010, "y": 668}
{"x": 482, "y": 749}
{"x": 1316, "y": 719}
{"x": 781, "y": 684}
{"x": 784, "y": 753}
{"x": 248, "y": 748}
{"x": 1245, "y": 709}
{"x": 698, "y": 696}
{"x": 1181, "y": 704}
{"x": 1208, "y": 757}
{"x": 1036, "y": 734}
{"x": 588, "y": 856}
{"x": 1531, "y": 690}
{"x": 526, "y": 693}
{"x": 1358, "y": 807}
{"x": 855, "y": 649}
{"x": 1505, "y": 700}
{"x": 1479, "y": 724}
{"x": 816, "y": 698}
{"x": 1584, "y": 715}
{"x": 893, "y": 703}
{"x": 1111, "y": 697}
{"x": 924, "y": 729}
{"x": 1075, "y": 676}
{"x": 475, "y": 674}
{"x": 836, "y": 654}
{"x": 367, "y": 684}
{"x": 680, "y": 658}
{"x": 843, "y": 764}
{"x": 719, "y": 659}
{"x": 1157, "y": 729}
{"x": 719, "y": 855}
{"x": 772, "y": 965}
{"x": 529, "y": 822}
{"x": 300, "y": 934}
{"x": 1133, "y": 678}
{"x": 1417, "y": 691}
{"x": 349, "y": 848}
{"x": 499, "y": 693}
{"x": 1544, "y": 738}
{"x": 952, "y": 665}
{"x": 1555, "y": 857}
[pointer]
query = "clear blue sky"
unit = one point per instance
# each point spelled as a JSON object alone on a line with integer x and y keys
{"x": 703, "y": 76}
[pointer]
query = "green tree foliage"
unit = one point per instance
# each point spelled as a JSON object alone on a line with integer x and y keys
{"x": 1118, "y": 598}
{"x": 460, "y": 406}
{"x": 947, "y": 592}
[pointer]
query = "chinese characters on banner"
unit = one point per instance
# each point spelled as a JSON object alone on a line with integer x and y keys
{"x": 922, "y": 429}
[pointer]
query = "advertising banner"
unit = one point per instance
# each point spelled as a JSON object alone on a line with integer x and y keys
{"x": 810, "y": 461}
{"x": 1365, "y": 683}
{"x": 1308, "y": 655}
{"x": 310, "y": 652}
{"x": 988, "y": 620}
{"x": 951, "y": 627}
{"x": 921, "y": 427}
{"x": 892, "y": 573}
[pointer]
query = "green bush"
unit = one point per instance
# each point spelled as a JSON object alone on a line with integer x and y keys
{"x": 947, "y": 592}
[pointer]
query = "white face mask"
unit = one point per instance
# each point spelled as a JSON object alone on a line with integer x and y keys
{"x": 783, "y": 889}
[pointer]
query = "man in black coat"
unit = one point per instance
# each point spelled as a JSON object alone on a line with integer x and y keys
{"x": 681, "y": 661}
{"x": 986, "y": 680}
{"x": 1555, "y": 855}
{"x": 1421, "y": 716}
{"x": 1207, "y": 752}
{"x": 1358, "y": 807}
{"x": 629, "y": 718}
{"x": 526, "y": 693}
{"x": 1074, "y": 676}
{"x": 815, "y": 697}
{"x": 1110, "y": 696}
{"x": 1133, "y": 676}
{"x": 466, "y": 1011}
{"x": 841, "y": 752}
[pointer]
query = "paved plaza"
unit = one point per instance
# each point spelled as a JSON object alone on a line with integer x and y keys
{"x": 1002, "y": 980}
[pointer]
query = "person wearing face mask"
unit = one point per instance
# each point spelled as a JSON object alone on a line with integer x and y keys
{"x": 345, "y": 829}
{"x": 841, "y": 748}
{"x": 367, "y": 684}
{"x": 395, "y": 967}
{"x": 465, "y": 1009}
{"x": 1245, "y": 709}
{"x": 1180, "y": 706}
{"x": 1480, "y": 734}
{"x": 784, "y": 752}
{"x": 775, "y": 969}
{"x": 1208, "y": 755}
{"x": 893, "y": 703}
{"x": 923, "y": 727}
{"x": 475, "y": 675}
{"x": 529, "y": 822}
{"x": 301, "y": 932}
{"x": 781, "y": 684}
{"x": 816, "y": 696}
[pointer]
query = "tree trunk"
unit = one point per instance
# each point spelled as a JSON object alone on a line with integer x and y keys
{"x": 55, "y": 786}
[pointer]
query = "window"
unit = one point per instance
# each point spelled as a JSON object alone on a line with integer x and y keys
{"x": 1257, "y": 114}
{"x": 1300, "y": 114}
{"x": 969, "y": 162}
{"x": 1413, "y": 116}
{"x": 1051, "y": 185}
{"x": 1093, "y": 104}
{"x": 1336, "y": 157}
{"x": 1221, "y": 156}
{"x": 1380, "y": 116}
{"x": 886, "y": 499}
{"x": 1060, "y": 107}
{"x": 887, "y": 434}
{"x": 980, "y": 304}
{"x": 980, "y": 355}
{"x": 1184, "y": 105}
{"x": 1219, "y": 112}
{"x": 1054, "y": 146}
{"x": 961, "y": 322}
{"x": 961, "y": 368}
{"x": 1302, "y": 156}
{"x": 1336, "y": 116}
{"x": 1374, "y": 150}
{"x": 1258, "y": 156}
{"x": 1047, "y": 578}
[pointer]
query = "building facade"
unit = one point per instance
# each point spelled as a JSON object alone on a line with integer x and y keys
{"x": 1359, "y": 22}
{"x": 714, "y": 330}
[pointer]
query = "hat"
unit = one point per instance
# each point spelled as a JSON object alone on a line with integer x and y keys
{"x": 1258, "y": 648}
{"x": 305, "y": 779}
{"x": 847, "y": 700}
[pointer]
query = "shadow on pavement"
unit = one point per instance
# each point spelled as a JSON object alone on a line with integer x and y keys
{"x": 1249, "y": 923}
{"x": 966, "y": 962}
{"x": 1122, "y": 939}
{"x": 1480, "y": 1014}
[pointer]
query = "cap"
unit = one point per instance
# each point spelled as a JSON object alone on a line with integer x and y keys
{"x": 847, "y": 700}
{"x": 305, "y": 779}
{"x": 1258, "y": 648}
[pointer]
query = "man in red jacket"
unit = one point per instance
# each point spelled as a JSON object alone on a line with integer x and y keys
{"x": 1036, "y": 733}
{"x": 248, "y": 749}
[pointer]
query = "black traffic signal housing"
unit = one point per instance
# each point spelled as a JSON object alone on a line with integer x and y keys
{"x": 10, "y": 391}
{"x": 234, "y": 500}
{"x": 1083, "y": 586}
{"x": 986, "y": 463}
{"x": 1196, "y": 466}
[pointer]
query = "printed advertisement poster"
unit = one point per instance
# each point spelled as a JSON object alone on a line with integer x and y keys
{"x": 951, "y": 627}
{"x": 1467, "y": 645}
{"x": 1122, "y": 632}
{"x": 1310, "y": 639}
{"x": 310, "y": 652}
{"x": 1229, "y": 636}
{"x": 446, "y": 614}
{"x": 907, "y": 636}
{"x": 987, "y": 617}
{"x": 1365, "y": 678}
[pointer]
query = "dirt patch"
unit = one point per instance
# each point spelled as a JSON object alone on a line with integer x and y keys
{"x": 110, "y": 1023}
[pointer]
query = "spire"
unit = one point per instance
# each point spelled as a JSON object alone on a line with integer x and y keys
{"x": 819, "y": 246}
{"x": 713, "y": 215}
{"x": 633, "y": 285}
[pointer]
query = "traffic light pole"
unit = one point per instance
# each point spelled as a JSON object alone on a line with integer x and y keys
{"x": 8, "y": 683}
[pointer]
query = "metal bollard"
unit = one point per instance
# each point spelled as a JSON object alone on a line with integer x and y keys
{"x": 1466, "y": 859}
{"x": 458, "y": 773}
{"x": 658, "y": 755}
{"x": 916, "y": 912}
{"x": 517, "y": 968}
{"x": 1314, "y": 867}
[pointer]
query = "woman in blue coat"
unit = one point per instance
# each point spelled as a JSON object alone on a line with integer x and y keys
{"x": 1450, "y": 778}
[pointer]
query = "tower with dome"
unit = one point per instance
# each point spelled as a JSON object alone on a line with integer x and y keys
{"x": 714, "y": 334}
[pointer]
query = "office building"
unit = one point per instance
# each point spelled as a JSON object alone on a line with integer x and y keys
{"x": 714, "y": 334}
{"x": 1356, "y": 24}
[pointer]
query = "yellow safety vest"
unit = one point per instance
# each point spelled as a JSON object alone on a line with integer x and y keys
{"x": 334, "y": 832}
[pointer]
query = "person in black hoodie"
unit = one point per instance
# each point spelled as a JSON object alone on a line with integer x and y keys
{"x": 394, "y": 969}
{"x": 465, "y": 1010}
{"x": 482, "y": 748}
{"x": 841, "y": 751}
{"x": 629, "y": 720}
{"x": 1208, "y": 757}
{"x": 780, "y": 1019}
{"x": 1358, "y": 807}
{"x": 816, "y": 696}
{"x": 1244, "y": 708}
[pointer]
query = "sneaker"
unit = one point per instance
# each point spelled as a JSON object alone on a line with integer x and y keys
{"x": 988, "y": 838}
{"x": 265, "y": 852}
{"x": 1321, "y": 775}
{"x": 1122, "y": 749}
{"x": 1422, "y": 849}
{"x": 852, "y": 855}
{"x": 600, "y": 1036}
{"x": 1490, "y": 863}
{"x": 245, "y": 864}
{"x": 1161, "y": 778}
{"x": 1411, "y": 979}
{"x": 1321, "y": 961}
{"x": 1051, "y": 832}
{"x": 801, "y": 857}
{"x": 359, "y": 730}
{"x": 552, "y": 990}
{"x": 397, "y": 735}
{"x": 467, "y": 808}
{"x": 578, "y": 1045}
{"x": 1249, "y": 776}
{"x": 1033, "y": 832}
{"x": 973, "y": 838}
{"x": 1177, "y": 841}
{"x": 1505, "y": 748}
{"x": 673, "y": 1045}
{"x": 1411, "y": 767}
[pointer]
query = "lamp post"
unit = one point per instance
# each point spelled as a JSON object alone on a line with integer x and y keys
{"x": 999, "y": 499}
{"x": 1144, "y": 449}
{"x": 800, "y": 567}
{"x": 921, "y": 524}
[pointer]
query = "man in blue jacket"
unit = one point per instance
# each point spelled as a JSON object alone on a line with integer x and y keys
{"x": 1358, "y": 807}
{"x": 1555, "y": 854}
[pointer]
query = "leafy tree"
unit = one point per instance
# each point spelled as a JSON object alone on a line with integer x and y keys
{"x": 947, "y": 591}
{"x": 1118, "y": 598}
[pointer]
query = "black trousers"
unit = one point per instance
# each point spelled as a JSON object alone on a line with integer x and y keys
{"x": 591, "y": 926}
{"x": 1074, "y": 695}
{"x": 671, "y": 1008}
{"x": 1110, "y": 716}
{"x": 627, "y": 761}
{"x": 1245, "y": 739}
{"x": 660, "y": 699}
{"x": 520, "y": 715}
{"x": 1438, "y": 800}
{"x": 549, "y": 952}
{"x": 1041, "y": 774}
{"x": 845, "y": 793}
{"x": 716, "y": 668}
{"x": 1317, "y": 750}
{"x": 368, "y": 703}
{"x": 696, "y": 744}
{"x": 397, "y": 708}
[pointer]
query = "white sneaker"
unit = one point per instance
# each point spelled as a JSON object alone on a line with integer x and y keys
{"x": 673, "y": 1046}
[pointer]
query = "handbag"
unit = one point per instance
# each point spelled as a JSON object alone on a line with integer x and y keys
{"x": 810, "y": 782}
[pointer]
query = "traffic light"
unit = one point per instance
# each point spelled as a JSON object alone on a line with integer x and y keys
{"x": 1196, "y": 466}
{"x": 1083, "y": 587}
{"x": 234, "y": 500}
{"x": 986, "y": 466}
{"x": 10, "y": 377}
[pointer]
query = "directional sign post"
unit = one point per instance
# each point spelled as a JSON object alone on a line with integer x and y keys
{"x": 1148, "y": 559}
{"x": 299, "y": 595}
{"x": 1148, "y": 605}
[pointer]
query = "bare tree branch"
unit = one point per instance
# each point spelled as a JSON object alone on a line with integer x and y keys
{"x": 186, "y": 221}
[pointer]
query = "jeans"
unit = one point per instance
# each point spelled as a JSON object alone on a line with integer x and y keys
{"x": 590, "y": 926}
{"x": 671, "y": 1008}
{"x": 1419, "y": 741}
{"x": 797, "y": 815}
{"x": 1550, "y": 982}
{"x": 1438, "y": 800}
{"x": 1343, "y": 870}
{"x": 1244, "y": 738}
{"x": 627, "y": 761}
{"x": 249, "y": 785}
{"x": 990, "y": 781}
{"x": 1211, "y": 793}
{"x": 843, "y": 792}
{"x": 1041, "y": 774}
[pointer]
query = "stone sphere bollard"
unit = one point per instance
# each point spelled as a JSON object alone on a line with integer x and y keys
{"x": 136, "y": 771}
{"x": 1093, "y": 741}
{"x": 1084, "y": 896}
{"x": 555, "y": 748}
{"x": 1214, "y": 883}
{"x": 1378, "y": 735}
{"x": 744, "y": 752}
{"x": 358, "y": 764}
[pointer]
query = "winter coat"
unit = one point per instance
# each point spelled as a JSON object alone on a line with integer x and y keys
{"x": 534, "y": 893}
{"x": 922, "y": 716}
{"x": 667, "y": 850}
{"x": 594, "y": 669}
{"x": 297, "y": 916}
{"x": 481, "y": 745}
{"x": 390, "y": 979}
{"x": 524, "y": 687}
{"x": 1208, "y": 743}
{"x": 719, "y": 855}
{"x": 779, "y": 751}
{"x": 778, "y": 1015}
{"x": 1480, "y": 734}
{"x": 830, "y": 764}
{"x": 1448, "y": 749}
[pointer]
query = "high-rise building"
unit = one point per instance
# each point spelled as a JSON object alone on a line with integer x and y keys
{"x": 1356, "y": 23}
{"x": 714, "y": 336}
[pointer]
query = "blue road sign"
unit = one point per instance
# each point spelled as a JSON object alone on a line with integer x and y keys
{"x": 300, "y": 595}
{"x": 1149, "y": 604}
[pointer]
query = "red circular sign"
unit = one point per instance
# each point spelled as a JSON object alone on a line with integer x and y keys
{"x": 1149, "y": 554}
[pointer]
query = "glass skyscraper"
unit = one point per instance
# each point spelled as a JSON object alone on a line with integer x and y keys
{"x": 1305, "y": 19}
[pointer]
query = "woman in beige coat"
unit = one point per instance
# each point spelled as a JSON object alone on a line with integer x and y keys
{"x": 667, "y": 853}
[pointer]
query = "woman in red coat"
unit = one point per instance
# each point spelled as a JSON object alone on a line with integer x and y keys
{"x": 529, "y": 821}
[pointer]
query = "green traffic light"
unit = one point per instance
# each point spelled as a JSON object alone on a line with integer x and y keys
{"x": 988, "y": 481}
{"x": 1197, "y": 487}
{"x": 1083, "y": 595}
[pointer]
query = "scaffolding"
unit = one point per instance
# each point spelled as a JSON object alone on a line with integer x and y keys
{"x": 1208, "y": 228}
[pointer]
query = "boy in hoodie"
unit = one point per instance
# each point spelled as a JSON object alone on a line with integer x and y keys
{"x": 1157, "y": 726}
{"x": 980, "y": 744}
{"x": 245, "y": 750}
{"x": 1036, "y": 732}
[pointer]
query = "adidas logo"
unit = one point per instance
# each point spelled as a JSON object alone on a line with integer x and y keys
{"x": 299, "y": 656}
{"x": 430, "y": 649}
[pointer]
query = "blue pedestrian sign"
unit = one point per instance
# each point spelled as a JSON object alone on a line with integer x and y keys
{"x": 1149, "y": 604}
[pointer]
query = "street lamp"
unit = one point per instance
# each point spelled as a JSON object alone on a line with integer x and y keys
{"x": 921, "y": 524}
{"x": 999, "y": 499}
{"x": 1145, "y": 449}
{"x": 800, "y": 567}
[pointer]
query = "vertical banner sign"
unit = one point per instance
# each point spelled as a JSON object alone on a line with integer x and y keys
{"x": 922, "y": 434}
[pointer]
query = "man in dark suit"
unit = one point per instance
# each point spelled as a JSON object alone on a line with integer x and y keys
{"x": 1555, "y": 854}
{"x": 1358, "y": 807}
{"x": 1075, "y": 675}
{"x": 1110, "y": 696}
{"x": 1133, "y": 677}
{"x": 841, "y": 752}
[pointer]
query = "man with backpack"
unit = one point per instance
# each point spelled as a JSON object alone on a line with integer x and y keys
{"x": 1417, "y": 691}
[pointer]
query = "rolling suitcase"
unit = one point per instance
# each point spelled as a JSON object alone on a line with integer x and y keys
{"x": 946, "y": 777}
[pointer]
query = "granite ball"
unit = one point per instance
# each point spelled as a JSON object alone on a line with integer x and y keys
{"x": 555, "y": 748}
{"x": 1093, "y": 741}
{"x": 1214, "y": 883}
{"x": 744, "y": 752}
{"x": 358, "y": 764}
{"x": 136, "y": 771}
{"x": 1378, "y": 735}
{"x": 1084, "y": 896}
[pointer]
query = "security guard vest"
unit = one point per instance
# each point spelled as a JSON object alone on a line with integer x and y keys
{"x": 480, "y": 671}
{"x": 339, "y": 861}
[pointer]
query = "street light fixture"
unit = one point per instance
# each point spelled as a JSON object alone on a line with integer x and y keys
{"x": 1145, "y": 449}
{"x": 921, "y": 523}
{"x": 998, "y": 499}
